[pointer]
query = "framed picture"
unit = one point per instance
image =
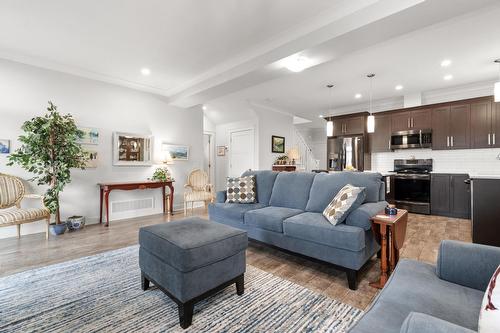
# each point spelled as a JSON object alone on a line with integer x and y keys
{"x": 92, "y": 154}
{"x": 132, "y": 149}
{"x": 4, "y": 146}
{"x": 175, "y": 152}
{"x": 90, "y": 136}
{"x": 221, "y": 150}
{"x": 278, "y": 144}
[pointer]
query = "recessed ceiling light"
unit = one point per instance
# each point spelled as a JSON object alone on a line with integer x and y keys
{"x": 445, "y": 63}
{"x": 448, "y": 77}
{"x": 320, "y": 116}
{"x": 145, "y": 71}
{"x": 398, "y": 87}
{"x": 204, "y": 107}
{"x": 297, "y": 63}
{"x": 358, "y": 96}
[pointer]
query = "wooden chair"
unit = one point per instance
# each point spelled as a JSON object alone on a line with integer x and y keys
{"x": 197, "y": 189}
{"x": 12, "y": 192}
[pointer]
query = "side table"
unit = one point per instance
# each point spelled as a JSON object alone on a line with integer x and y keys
{"x": 390, "y": 231}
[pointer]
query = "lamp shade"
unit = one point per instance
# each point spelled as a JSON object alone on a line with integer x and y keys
{"x": 497, "y": 91}
{"x": 329, "y": 128}
{"x": 293, "y": 153}
{"x": 370, "y": 124}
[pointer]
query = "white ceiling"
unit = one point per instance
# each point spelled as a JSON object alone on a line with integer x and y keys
{"x": 225, "y": 53}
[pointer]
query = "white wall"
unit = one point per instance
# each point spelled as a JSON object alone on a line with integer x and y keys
{"x": 25, "y": 91}
{"x": 482, "y": 161}
{"x": 317, "y": 141}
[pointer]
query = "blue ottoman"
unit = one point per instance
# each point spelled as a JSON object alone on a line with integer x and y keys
{"x": 192, "y": 259}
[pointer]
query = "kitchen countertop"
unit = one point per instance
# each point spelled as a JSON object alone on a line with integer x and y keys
{"x": 484, "y": 176}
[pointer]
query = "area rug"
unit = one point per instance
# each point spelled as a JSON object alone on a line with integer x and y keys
{"x": 103, "y": 293}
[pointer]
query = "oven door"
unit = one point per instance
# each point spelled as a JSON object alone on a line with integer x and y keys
{"x": 413, "y": 192}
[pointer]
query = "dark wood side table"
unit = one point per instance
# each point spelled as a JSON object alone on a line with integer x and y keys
{"x": 284, "y": 167}
{"x": 106, "y": 188}
{"x": 390, "y": 232}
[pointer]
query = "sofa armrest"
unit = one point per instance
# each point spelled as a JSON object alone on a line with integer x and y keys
{"x": 422, "y": 323}
{"x": 469, "y": 265}
{"x": 221, "y": 196}
{"x": 360, "y": 217}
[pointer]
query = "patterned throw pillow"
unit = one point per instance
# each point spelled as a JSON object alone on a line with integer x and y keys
{"x": 489, "y": 315}
{"x": 241, "y": 190}
{"x": 348, "y": 199}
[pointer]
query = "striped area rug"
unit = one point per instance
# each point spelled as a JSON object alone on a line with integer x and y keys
{"x": 103, "y": 293}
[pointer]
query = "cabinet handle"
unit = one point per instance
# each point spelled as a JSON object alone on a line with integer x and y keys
{"x": 447, "y": 141}
{"x": 412, "y": 122}
{"x": 489, "y": 139}
{"x": 452, "y": 140}
{"x": 408, "y": 123}
{"x": 494, "y": 139}
{"x": 389, "y": 144}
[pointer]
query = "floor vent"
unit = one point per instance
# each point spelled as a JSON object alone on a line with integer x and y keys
{"x": 131, "y": 205}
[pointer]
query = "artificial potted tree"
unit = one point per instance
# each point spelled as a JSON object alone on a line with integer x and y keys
{"x": 50, "y": 149}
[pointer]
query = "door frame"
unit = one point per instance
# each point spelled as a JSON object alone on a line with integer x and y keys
{"x": 211, "y": 157}
{"x": 230, "y": 132}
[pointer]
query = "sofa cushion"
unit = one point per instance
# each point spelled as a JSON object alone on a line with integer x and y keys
{"x": 233, "y": 211}
{"x": 314, "y": 227}
{"x": 348, "y": 199}
{"x": 265, "y": 182}
{"x": 360, "y": 217}
{"x": 415, "y": 287}
{"x": 192, "y": 243}
{"x": 326, "y": 186}
{"x": 241, "y": 190}
{"x": 291, "y": 189}
{"x": 270, "y": 218}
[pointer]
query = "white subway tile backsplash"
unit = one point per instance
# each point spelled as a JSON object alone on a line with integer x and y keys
{"x": 477, "y": 161}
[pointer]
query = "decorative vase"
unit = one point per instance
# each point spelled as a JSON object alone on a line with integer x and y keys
{"x": 58, "y": 229}
{"x": 75, "y": 222}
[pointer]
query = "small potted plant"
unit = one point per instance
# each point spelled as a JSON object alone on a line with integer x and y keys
{"x": 50, "y": 149}
{"x": 162, "y": 175}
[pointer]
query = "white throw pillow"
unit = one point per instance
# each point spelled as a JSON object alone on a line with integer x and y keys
{"x": 348, "y": 199}
{"x": 489, "y": 315}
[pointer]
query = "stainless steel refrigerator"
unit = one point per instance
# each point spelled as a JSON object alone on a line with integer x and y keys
{"x": 346, "y": 153}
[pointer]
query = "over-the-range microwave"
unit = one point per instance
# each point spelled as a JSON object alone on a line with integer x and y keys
{"x": 411, "y": 139}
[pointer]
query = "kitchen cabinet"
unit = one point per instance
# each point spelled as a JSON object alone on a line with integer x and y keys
{"x": 411, "y": 120}
{"x": 496, "y": 125}
{"x": 349, "y": 125}
{"x": 450, "y": 195}
{"x": 451, "y": 127}
{"x": 481, "y": 124}
{"x": 485, "y": 211}
{"x": 380, "y": 140}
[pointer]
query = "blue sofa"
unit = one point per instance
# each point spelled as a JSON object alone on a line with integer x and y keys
{"x": 288, "y": 215}
{"x": 423, "y": 298}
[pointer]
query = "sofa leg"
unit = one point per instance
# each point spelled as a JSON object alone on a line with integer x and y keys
{"x": 352, "y": 279}
{"x": 144, "y": 282}
{"x": 186, "y": 314}
{"x": 240, "y": 285}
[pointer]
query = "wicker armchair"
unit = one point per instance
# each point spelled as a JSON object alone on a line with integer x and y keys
{"x": 197, "y": 189}
{"x": 12, "y": 192}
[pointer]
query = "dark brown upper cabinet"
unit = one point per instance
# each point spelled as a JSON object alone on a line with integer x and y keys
{"x": 451, "y": 127}
{"x": 380, "y": 140}
{"x": 411, "y": 120}
{"x": 349, "y": 125}
{"x": 481, "y": 125}
{"x": 496, "y": 125}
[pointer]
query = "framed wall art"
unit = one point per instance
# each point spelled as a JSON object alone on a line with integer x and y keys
{"x": 175, "y": 152}
{"x": 90, "y": 136}
{"x": 221, "y": 150}
{"x": 278, "y": 144}
{"x": 4, "y": 146}
{"x": 132, "y": 149}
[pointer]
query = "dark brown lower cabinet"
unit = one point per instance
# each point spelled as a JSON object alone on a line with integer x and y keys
{"x": 450, "y": 195}
{"x": 485, "y": 211}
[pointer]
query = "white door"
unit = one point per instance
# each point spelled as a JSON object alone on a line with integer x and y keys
{"x": 241, "y": 151}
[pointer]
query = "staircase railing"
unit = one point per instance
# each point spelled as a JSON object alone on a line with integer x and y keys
{"x": 306, "y": 161}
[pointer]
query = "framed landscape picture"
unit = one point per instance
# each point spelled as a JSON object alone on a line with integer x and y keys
{"x": 278, "y": 144}
{"x": 93, "y": 158}
{"x": 90, "y": 136}
{"x": 176, "y": 152}
{"x": 4, "y": 146}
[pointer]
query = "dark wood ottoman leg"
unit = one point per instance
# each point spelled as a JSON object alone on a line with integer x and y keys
{"x": 186, "y": 314}
{"x": 144, "y": 281}
{"x": 240, "y": 285}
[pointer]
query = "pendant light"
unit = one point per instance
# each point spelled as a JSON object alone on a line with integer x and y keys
{"x": 370, "y": 121}
{"x": 497, "y": 84}
{"x": 329, "y": 123}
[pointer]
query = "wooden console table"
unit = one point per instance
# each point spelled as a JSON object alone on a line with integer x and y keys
{"x": 390, "y": 232}
{"x": 284, "y": 167}
{"x": 106, "y": 188}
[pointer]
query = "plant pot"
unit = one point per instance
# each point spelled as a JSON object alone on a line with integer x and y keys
{"x": 75, "y": 222}
{"x": 58, "y": 229}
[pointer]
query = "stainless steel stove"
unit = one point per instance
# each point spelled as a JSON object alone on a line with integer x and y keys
{"x": 412, "y": 185}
